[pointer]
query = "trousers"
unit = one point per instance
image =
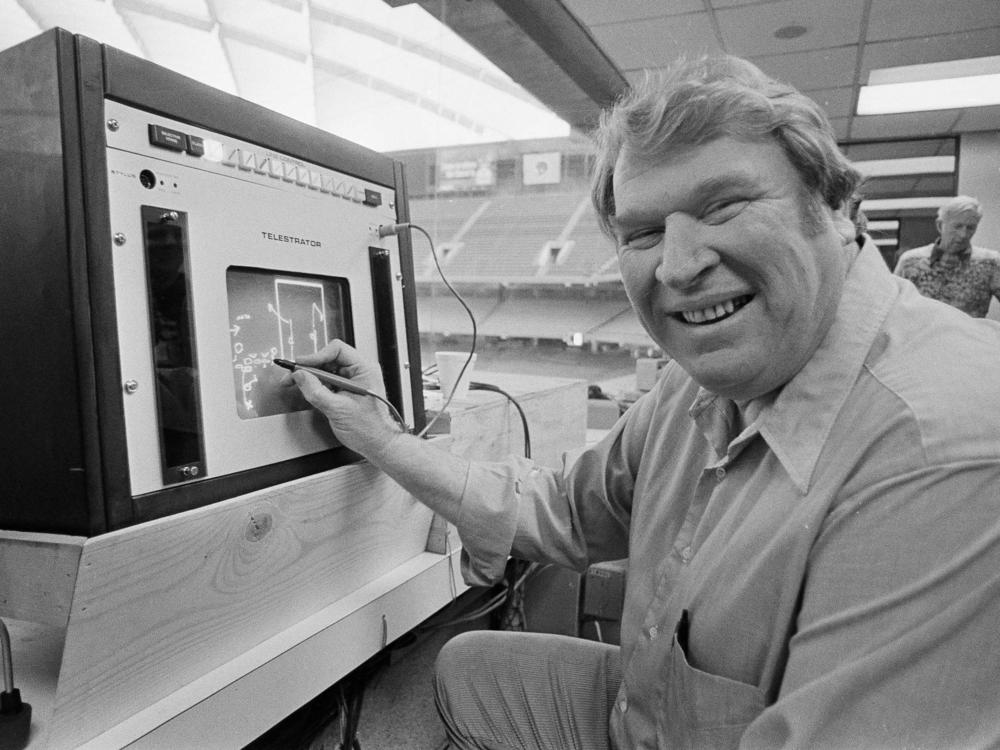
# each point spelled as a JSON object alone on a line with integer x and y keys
{"x": 502, "y": 690}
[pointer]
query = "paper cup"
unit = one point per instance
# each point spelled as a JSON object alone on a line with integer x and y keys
{"x": 449, "y": 366}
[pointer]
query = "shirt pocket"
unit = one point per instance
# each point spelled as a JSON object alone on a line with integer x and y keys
{"x": 706, "y": 710}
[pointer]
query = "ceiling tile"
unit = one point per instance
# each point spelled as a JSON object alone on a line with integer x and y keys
{"x": 599, "y": 12}
{"x": 749, "y": 31}
{"x": 731, "y": 3}
{"x": 656, "y": 43}
{"x": 838, "y": 102}
{"x": 978, "y": 118}
{"x": 982, "y": 43}
{"x": 841, "y": 127}
{"x": 898, "y": 19}
{"x": 908, "y": 125}
{"x": 901, "y": 149}
{"x": 810, "y": 71}
{"x": 936, "y": 184}
{"x": 888, "y": 187}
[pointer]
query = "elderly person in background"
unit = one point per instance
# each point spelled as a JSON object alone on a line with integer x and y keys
{"x": 951, "y": 269}
{"x": 808, "y": 497}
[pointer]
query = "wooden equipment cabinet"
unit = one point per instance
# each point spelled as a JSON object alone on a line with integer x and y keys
{"x": 207, "y": 627}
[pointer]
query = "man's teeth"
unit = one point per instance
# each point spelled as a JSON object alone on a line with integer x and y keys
{"x": 715, "y": 312}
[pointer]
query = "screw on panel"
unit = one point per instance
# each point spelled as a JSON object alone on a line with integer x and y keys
{"x": 113, "y": 125}
{"x": 119, "y": 238}
{"x": 131, "y": 386}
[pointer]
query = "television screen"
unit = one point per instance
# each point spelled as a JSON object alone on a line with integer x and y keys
{"x": 286, "y": 315}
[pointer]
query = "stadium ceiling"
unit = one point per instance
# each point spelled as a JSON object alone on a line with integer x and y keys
{"x": 390, "y": 79}
{"x": 406, "y": 74}
{"x": 576, "y": 55}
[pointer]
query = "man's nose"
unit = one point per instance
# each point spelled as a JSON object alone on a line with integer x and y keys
{"x": 686, "y": 258}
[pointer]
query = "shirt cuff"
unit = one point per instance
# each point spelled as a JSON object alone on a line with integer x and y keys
{"x": 487, "y": 520}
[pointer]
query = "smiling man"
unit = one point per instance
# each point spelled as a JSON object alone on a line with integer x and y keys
{"x": 808, "y": 498}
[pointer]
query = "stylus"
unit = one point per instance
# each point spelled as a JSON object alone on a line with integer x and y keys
{"x": 328, "y": 378}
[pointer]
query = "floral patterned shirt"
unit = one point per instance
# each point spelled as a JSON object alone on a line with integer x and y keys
{"x": 967, "y": 281}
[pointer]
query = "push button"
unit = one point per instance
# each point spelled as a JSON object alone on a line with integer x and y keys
{"x": 167, "y": 138}
{"x": 195, "y": 145}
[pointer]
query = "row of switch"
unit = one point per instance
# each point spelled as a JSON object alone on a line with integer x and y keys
{"x": 250, "y": 161}
{"x": 278, "y": 169}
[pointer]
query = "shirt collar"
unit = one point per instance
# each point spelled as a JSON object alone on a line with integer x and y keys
{"x": 937, "y": 252}
{"x": 796, "y": 421}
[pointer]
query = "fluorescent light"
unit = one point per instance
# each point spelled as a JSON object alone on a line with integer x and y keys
{"x": 884, "y": 225}
{"x": 954, "y": 84}
{"x": 907, "y": 165}
{"x": 902, "y": 204}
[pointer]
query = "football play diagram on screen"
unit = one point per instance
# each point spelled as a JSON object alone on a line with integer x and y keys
{"x": 277, "y": 315}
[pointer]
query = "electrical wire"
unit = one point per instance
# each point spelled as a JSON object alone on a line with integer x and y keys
{"x": 520, "y": 411}
{"x": 387, "y": 230}
{"x": 393, "y": 410}
{"x": 492, "y": 604}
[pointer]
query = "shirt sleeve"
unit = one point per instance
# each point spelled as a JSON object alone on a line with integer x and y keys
{"x": 897, "y": 639}
{"x": 572, "y": 516}
{"x": 902, "y": 266}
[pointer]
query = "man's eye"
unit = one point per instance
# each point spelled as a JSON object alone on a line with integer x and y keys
{"x": 643, "y": 239}
{"x": 724, "y": 210}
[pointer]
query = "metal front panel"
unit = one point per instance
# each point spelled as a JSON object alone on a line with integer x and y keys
{"x": 245, "y": 206}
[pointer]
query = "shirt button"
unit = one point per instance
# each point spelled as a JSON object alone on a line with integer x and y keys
{"x": 623, "y": 705}
{"x": 720, "y": 473}
{"x": 653, "y": 632}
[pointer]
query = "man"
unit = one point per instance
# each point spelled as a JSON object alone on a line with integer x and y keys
{"x": 808, "y": 497}
{"x": 951, "y": 269}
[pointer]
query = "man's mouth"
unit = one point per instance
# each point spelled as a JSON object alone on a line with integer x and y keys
{"x": 714, "y": 313}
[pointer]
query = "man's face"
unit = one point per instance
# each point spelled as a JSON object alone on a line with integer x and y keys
{"x": 729, "y": 267}
{"x": 956, "y": 232}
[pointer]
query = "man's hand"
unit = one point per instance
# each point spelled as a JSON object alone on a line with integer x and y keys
{"x": 359, "y": 422}
{"x": 362, "y": 423}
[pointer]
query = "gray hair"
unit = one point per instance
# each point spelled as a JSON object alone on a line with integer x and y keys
{"x": 960, "y": 204}
{"x": 700, "y": 100}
